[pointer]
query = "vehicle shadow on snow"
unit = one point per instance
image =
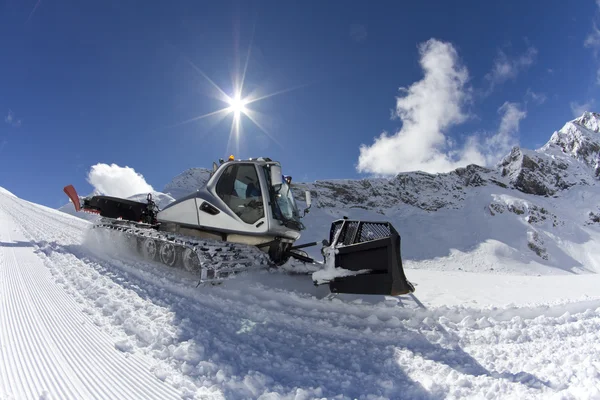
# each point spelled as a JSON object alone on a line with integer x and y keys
{"x": 250, "y": 345}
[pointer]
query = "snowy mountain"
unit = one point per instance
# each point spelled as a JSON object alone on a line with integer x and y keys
{"x": 161, "y": 199}
{"x": 187, "y": 182}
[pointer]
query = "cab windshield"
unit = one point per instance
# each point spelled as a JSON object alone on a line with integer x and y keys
{"x": 285, "y": 201}
{"x": 285, "y": 208}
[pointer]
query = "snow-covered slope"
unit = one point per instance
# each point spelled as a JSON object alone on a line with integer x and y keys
{"x": 161, "y": 199}
{"x": 187, "y": 182}
{"x": 51, "y": 345}
{"x": 6, "y": 192}
{"x": 81, "y": 322}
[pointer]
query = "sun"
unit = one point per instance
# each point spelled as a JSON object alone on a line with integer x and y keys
{"x": 237, "y": 105}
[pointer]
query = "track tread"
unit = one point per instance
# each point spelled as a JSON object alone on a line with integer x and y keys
{"x": 221, "y": 259}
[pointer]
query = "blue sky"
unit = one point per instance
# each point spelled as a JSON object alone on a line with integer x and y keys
{"x": 83, "y": 83}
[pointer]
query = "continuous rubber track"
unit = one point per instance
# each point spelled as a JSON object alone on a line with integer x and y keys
{"x": 49, "y": 347}
{"x": 218, "y": 260}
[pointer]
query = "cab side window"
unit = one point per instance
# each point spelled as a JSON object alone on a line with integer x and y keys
{"x": 239, "y": 188}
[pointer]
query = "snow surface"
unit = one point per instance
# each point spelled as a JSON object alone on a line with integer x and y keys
{"x": 6, "y": 192}
{"x": 161, "y": 199}
{"x": 507, "y": 304}
{"x": 79, "y": 322}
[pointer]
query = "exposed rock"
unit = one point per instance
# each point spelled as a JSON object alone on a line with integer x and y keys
{"x": 594, "y": 218}
{"x": 535, "y": 172}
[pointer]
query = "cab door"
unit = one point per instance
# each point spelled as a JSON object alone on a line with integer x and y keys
{"x": 239, "y": 188}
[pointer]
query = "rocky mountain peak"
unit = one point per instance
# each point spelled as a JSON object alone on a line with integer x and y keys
{"x": 579, "y": 138}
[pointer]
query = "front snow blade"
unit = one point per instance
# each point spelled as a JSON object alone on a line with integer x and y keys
{"x": 373, "y": 246}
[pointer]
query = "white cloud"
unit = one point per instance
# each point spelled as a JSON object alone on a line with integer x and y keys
{"x": 506, "y": 68}
{"x": 428, "y": 108}
{"x": 578, "y": 109}
{"x": 11, "y": 120}
{"x": 539, "y": 98}
{"x": 113, "y": 180}
{"x": 500, "y": 144}
{"x": 488, "y": 151}
{"x": 593, "y": 39}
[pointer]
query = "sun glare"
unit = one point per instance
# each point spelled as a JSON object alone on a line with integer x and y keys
{"x": 236, "y": 105}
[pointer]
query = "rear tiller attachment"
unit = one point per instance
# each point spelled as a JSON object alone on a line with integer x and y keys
{"x": 373, "y": 247}
{"x": 114, "y": 207}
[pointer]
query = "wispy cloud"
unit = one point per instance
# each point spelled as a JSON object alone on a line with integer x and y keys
{"x": 33, "y": 11}
{"x": 428, "y": 109}
{"x": 538, "y": 98}
{"x": 592, "y": 41}
{"x": 506, "y": 68}
{"x": 578, "y": 109}
{"x": 11, "y": 120}
{"x": 505, "y": 138}
{"x": 488, "y": 150}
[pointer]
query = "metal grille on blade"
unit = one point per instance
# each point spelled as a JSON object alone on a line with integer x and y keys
{"x": 349, "y": 232}
{"x": 373, "y": 231}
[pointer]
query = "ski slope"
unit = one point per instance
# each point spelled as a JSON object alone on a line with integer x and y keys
{"x": 50, "y": 347}
{"x": 78, "y": 322}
